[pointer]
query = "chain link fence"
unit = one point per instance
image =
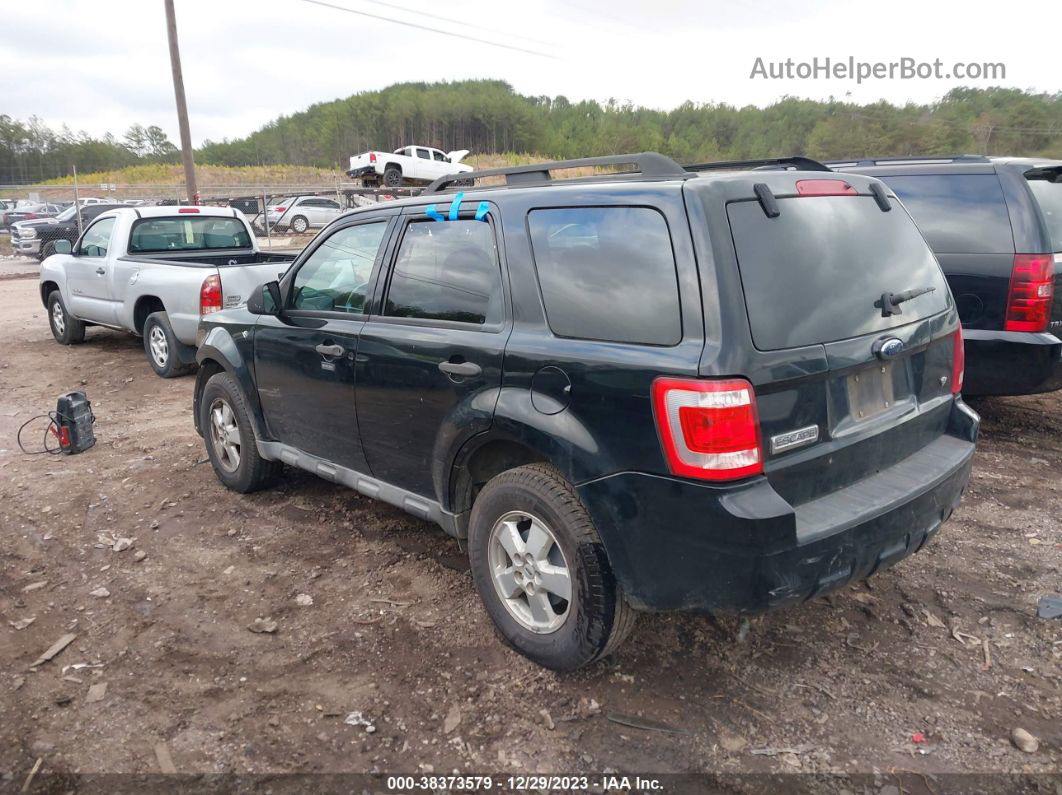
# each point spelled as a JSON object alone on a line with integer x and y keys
{"x": 282, "y": 216}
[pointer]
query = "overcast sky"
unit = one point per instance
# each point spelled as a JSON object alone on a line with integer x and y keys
{"x": 101, "y": 65}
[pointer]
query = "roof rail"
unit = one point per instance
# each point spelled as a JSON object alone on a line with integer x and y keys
{"x": 900, "y": 160}
{"x": 766, "y": 164}
{"x": 649, "y": 164}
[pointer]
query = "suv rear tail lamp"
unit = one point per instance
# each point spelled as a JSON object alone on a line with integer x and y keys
{"x": 958, "y": 363}
{"x": 210, "y": 297}
{"x": 824, "y": 187}
{"x": 1032, "y": 288}
{"x": 709, "y": 429}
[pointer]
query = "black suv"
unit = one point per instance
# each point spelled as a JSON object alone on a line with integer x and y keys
{"x": 706, "y": 387}
{"x": 996, "y": 227}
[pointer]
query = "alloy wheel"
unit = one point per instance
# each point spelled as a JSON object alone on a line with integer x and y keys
{"x": 160, "y": 348}
{"x": 225, "y": 435}
{"x": 58, "y": 318}
{"x": 530, "y": 572}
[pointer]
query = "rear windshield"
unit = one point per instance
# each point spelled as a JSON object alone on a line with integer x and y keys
{"x": 958, "y": 213}
{"x": 812, "y": 274}
{"x": 153, "y": 235}
{"x": 1049, "y": 197}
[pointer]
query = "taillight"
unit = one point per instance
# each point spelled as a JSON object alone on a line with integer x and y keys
{"x": 958, "y": 362}
{"x": 279, "y": 209}
{"x": 824, "y": 187}
{"x": 188, "y": 210}
{"x": 709, "y": 429}
{"x": 210, "y": 297}
{"x": 372, "y": 157}
{"x": 1032, "y": 287}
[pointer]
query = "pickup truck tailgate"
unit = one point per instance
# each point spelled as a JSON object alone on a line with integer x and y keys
{"x": 237, "y": 281}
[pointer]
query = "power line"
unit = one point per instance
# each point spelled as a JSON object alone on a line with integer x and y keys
{"x": 430, "y": 29}
{"x": 456, "y": 21}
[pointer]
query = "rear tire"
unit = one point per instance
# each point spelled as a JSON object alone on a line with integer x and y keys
{"x": 531, "y": 543}
{"x": 392, "y": 176}
{"x": 66, "y": 329}
{"x": 230, "y": 440}
{"x": 299, "y": 224}
{"x": 161, "y": 347}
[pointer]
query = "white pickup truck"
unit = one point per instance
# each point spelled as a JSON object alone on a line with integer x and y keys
{"x": 409, "y": 165}
{"x": 154, "y": 271}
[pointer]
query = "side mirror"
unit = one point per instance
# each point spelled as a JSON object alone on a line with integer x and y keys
{"x": 265, "y": 300}
{"x": 63, "y": 247}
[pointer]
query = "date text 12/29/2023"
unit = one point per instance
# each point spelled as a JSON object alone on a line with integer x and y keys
{"x": 528, "y": 783}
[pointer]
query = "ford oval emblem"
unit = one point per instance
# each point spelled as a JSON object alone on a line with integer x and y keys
{"x": 888, "y": 348}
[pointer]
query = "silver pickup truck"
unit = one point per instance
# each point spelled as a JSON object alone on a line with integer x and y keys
{"x": 154, "y": 271}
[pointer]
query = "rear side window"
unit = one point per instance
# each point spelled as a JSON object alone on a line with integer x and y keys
{"x": 812, "y": 274}
{"x": 447, "y": 271}
{"x": 958, "y": 213}
{"x": 151, "y": 235}
{"x": 607, "y": 273}
{"x": 1049, "y": 197}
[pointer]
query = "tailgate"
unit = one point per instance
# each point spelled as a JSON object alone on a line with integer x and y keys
{"x": 850, "y": 307}
{"x": 238, "y": 281}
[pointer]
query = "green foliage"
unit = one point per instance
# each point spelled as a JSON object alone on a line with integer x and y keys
{"x": 487, "y": 116}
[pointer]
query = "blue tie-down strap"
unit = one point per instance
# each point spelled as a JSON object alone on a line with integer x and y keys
{"x": 433, "y": 213}
{"x": 455, "y": 205}
{"x": 482, "y": 210}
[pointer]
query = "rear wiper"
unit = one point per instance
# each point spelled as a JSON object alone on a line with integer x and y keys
{"x": 889, "y": 303}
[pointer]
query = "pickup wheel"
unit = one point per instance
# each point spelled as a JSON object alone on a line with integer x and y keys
{"x": 161, "y": 347}
{"x": 46, "y": 250}
{"x": 230, "y": 439}
{"x": 66, "y": 329}
{"x": 392, "y": 176}
{"x": 542, "y": 572}
{"x": 299, "y": 224}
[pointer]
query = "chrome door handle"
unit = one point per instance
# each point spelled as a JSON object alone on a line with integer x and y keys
{"x": 101, "y": 271}
{"x": 460, "y": 368}
{"x": 330, "y": 350}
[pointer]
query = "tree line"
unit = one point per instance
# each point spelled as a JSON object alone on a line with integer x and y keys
{"x": 488, "y": 116}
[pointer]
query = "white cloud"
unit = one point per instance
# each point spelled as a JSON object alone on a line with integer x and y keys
{"x": 102, "y": 66}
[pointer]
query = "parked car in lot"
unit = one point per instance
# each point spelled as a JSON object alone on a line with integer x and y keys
{"x": 300, "y": 213}
{"x": 29, "y": 212}
{"x": 38, "y": 238}
{"x": 410, "y": 165}
{"x": 667, "y": 389}
{"x": 996, "y": 227}
{"x": 154, "y": 271}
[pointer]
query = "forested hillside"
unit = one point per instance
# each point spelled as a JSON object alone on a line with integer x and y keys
{"x": 487, "y": 116}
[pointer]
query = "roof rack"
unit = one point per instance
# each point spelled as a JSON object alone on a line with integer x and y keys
{"x": 901, "y": 160}
{"x": 765, "y": 164}
{"x": 649, "y": 164}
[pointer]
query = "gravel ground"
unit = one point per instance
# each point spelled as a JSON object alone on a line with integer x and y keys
{"x": 923, "y": 671}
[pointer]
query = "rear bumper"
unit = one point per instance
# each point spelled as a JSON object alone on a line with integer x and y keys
{"x": 678, "y": 544}
{"x": 355, "y": 173}
{"x": 1011, "y": 362}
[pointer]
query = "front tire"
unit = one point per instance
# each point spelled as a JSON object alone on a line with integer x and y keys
{"x": 542, "y": 572}
{"x": 66, "y": 328}
{"x": 161, "y": 347}
{"x": 46, "y": 250}
{"x": 299, "y": 225}
{"x": 230, "y": 440}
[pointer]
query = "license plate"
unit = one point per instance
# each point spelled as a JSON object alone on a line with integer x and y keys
{"x": 871, "y": 392}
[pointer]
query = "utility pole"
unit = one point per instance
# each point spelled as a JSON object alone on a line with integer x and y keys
{"x": 182, "y": 106}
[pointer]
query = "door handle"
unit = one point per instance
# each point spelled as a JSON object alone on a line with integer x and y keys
{"x": 464, "y": 369}
{"x": 101, "y": 270}
{"x": 330, "y": 350}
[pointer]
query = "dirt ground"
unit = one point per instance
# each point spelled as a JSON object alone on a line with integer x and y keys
{"x": 946, "y": 644}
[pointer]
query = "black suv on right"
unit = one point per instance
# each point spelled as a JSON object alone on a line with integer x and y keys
{"x": 706, "y": 387}
{"x": 995, "y": 224}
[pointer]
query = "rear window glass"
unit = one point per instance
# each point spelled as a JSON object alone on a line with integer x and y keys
{"x": 607, "y": 273}
{"x": 447, "y": 271}
{"x": 187, "y": 234}
{"x": 812, "y": 274}
{"x": 958, "y": 213}
{"x": 1049, "y": 197}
